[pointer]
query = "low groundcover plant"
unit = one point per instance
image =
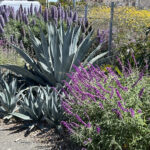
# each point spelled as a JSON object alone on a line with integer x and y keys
{"x": 108, "y": 111}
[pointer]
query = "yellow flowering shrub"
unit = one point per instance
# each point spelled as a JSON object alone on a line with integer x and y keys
{"x": 130, "y": 17}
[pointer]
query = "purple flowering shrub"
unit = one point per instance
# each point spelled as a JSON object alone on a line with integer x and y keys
{"x": 108, "y": 111}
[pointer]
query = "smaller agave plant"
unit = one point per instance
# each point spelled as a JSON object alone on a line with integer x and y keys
{"x": 52, "y": 110}
{"x": 31, "y": 105}
{"x": 8, "y": 98}
{"x": 30, "y": 109}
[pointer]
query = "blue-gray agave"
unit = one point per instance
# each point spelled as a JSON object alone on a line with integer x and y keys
{"x": 31, "y": 105}
{"x": 56, "y": 55}
{"x": 8, "y": 98}
{"x": 52, "y": 109}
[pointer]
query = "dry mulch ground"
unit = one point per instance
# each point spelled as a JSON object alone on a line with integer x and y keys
{"x": 12, "y": 138}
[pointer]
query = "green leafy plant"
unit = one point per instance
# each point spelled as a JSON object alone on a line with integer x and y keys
{"x": 8, "y": 98}
{"x": 55, "y": 57}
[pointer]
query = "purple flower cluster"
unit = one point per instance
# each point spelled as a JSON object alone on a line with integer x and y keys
{"x": 102, "y": 36}
{"x": 23, "y": 14}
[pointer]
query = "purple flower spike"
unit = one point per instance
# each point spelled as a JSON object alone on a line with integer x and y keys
{"x": 59, "y": 12}
{"x": 69, "y": 22}
{"x": 25, "y": 11}
{"x": 80, "y": 120}
{"x": 139, "y": 111}
{"x": 89, "y": 140}
{"x": 75, "y": 17}
{"x": 98, "y": 129}
{"x": 56, "y": 13}
{"x": 66, "y": 15}
{"x": 21, "y": 45}
{"x": 67, "y": 126}
{"x": 46, "y": 15}
{"x": 71, "y": 14}
{"x": 62, "y": 14}
{"x": 118, "y": 113}
{"x": 132, "y": 112}
{"x": 118, "y": 94}
{"x": 1, "y": 29}
{"x": 35, "y": 10}
{"x": 26, "y": 20}
{"x": 2, "y": 22}
{"x": 101, "y": 105}
{"x": 28, "y": 11}
{"x": 31, "y": 9}
{"x": 40, "y": 9}
{"x": 121, "y": 107}
{"x": 6, "y": 17}
{"x": 141, "y": 92}
{"x": 33, "y": 22}
{"x": 21, "y": 8}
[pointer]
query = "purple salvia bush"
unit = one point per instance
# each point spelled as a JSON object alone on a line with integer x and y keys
{"x": 111, "y": 106}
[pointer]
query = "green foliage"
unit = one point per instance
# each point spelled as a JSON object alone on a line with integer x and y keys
{"x": 116, "y": 122}
{"x": 140, "y": 48}
{"x": 55, "y": 56}
{"x": 19, "y": 32}
{"x": 8, "y": 98}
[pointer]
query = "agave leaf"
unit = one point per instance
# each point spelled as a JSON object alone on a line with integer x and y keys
{"x": 21, "y": 116}
{"x": 26, "y": 57}
{"x": 91, "y": 55}
{"x": 24, "y": 72}
{"x": 83, "y": 48}
{"x": 8, "y": 117}
{"x": 97, "y": 58}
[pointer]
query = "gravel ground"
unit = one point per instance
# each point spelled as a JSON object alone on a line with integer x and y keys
{"x": 12, "y": 138}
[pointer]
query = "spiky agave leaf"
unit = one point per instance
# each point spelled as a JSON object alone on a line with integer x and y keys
{"x": 8, "y": 97}
{"x": 52, "y": 110}
{"x": 31, "y": 105}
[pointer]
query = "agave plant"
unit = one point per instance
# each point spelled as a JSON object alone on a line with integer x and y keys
{"x": 55, "y": 56}
{"x": 52, "y": 110}
{"x": 8, "y": 98}
{"x": 31, "y": 105}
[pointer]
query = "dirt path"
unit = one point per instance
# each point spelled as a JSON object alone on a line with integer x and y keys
{"x": 16, "y": 141}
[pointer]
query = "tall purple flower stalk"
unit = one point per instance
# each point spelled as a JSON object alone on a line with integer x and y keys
{"x": 2, "y": 22}
{"x": 1, "y": 29}
{"x": 46, "y": 15}
{"x": 31, "y": 9}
